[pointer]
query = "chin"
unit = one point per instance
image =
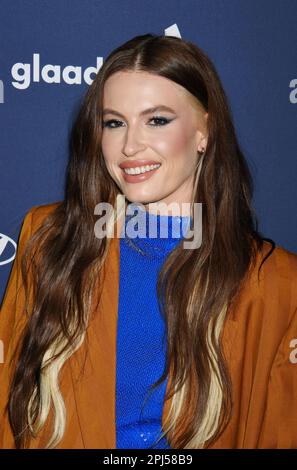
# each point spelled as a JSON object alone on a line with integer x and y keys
{"x": 139, "y": 199}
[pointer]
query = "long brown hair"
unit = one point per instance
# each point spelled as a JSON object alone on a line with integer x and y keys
{"x": 195, "y": 287}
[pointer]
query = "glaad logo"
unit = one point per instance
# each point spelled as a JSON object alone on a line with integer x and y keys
{"x": 24, "y": 74}
{"x": 5, "y": 241}
{"x": 71, "y": 74}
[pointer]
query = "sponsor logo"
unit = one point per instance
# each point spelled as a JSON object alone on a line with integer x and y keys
{"x": 25, "y": 73}
{"x": 7, "y": 245}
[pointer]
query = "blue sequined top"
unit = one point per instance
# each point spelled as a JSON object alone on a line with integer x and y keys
{"x": 141, "y": 340}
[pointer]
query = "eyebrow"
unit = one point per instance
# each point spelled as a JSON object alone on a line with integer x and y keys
{"x": 159, "y": 107}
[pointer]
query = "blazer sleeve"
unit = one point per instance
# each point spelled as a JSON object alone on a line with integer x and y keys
{"x": 279, "y": 429}
{"x": 12, "y": 320}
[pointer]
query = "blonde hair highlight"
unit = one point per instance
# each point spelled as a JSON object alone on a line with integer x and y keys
{"x": 50, "y": 393}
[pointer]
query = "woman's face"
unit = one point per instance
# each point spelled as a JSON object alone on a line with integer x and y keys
{"x": 134, "y": 137}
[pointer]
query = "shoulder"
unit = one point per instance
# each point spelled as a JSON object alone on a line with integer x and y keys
{"x": 281, "y": 263}
{"x": 32, "y": 221}
{"x": 36, "y": 215}
{"x": 268, "y": 292}
{"x": 273, "y": 265}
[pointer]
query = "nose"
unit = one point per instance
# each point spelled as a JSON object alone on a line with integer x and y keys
{"x": 133, "y": 142}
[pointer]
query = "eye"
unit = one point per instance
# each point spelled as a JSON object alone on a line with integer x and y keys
{"x": 114, "y": 123}
{"x": 160, "y": 121}
{"x": 109, "y": 123}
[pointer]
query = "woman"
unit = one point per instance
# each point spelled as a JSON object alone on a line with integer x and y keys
{"x": 138, "y": 342}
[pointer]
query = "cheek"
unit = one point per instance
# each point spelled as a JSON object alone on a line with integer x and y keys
{"x": 108, "y": 153}
{"x": 176, "y": 147}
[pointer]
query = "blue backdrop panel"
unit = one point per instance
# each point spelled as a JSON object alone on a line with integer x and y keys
{"x": 252, "y": 44}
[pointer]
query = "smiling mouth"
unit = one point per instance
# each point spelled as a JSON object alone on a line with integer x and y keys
{"x": 141, "y": 169}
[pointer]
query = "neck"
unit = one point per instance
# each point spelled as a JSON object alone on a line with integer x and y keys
{"x": 172, "y": 209}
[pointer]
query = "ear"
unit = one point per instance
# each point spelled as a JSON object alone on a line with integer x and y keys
{"x": 202, "y": 135}
{"x": 202, "y": 145}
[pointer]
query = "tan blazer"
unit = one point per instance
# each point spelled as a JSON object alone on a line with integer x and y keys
{"x": 259, "y": 340}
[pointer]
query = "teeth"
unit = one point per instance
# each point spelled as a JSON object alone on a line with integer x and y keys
{"x": 140, "y": 169}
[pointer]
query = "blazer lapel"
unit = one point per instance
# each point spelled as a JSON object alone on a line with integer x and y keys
{"x": 93, "y": 367}
{"x": 229, "y": 333}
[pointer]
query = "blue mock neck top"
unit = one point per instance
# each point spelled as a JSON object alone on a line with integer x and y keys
{"x": 141, "y": 335}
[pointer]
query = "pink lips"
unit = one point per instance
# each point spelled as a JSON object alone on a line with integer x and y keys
{"x": 142, "y": 176}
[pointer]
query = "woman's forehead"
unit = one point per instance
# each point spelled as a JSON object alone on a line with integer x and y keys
{"x": 146, "y": 89}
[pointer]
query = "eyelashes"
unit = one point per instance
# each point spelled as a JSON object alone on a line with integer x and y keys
{"x": 161, "y": 121}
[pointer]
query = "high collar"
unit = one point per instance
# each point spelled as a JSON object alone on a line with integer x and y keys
{"x": 153, "y": 235}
